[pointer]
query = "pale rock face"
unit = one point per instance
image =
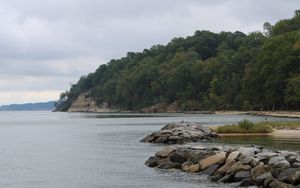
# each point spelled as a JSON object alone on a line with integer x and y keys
{"x": 219, "y": 158}
{"x": 83, "y": 103}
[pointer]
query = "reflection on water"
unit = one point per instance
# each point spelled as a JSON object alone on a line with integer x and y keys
{"x": 98, "y": 150}
{"x": 268, "y": 141}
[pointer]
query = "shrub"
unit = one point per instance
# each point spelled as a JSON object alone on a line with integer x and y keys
{"x": 246, "y": 124}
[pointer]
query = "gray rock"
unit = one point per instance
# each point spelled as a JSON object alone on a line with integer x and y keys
{"x": 265, "y": 155}
{"x": 241, "y": 175}
{"x": 178, "y": 156}
{"x": 246, "y": 183}
{"x": 165, "y": 152}
{"x": 178, "y": 133}
{"x": 152, "y": 161}
{"x": 259, "y": 170}
{"x": 254, "y": 162}
{"x": 198, "y": 147}
{"x": 228, "y": 178}
{"x": 279, "y": 162}
{"x": 261, "y": 178}
{"x": 295, "y": 165}
{"x": 210, "y": 170}
{"x": 248, "y": 151}
{"x": 215, "y": 178}
{"x": 164, "y": 163}
{"x": 186, "y": 166}
{"x": 246, "y": 159}
{"x": 278, "y": 184}
{"x": 290, "y": 176}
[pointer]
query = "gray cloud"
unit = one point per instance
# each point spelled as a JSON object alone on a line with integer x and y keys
{"x": 47, "y": 44}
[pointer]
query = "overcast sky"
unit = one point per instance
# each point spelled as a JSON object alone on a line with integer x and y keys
{"x": 47, "y": 44}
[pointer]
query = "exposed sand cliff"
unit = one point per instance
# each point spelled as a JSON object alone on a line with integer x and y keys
{"x": 86, "y": 104}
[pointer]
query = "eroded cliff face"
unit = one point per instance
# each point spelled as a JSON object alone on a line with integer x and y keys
{"x": 86, "y": 104}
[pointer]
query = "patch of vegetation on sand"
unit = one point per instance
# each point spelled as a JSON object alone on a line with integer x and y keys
{"x": 247, "y": 126}
{"x": 281, "y": 125}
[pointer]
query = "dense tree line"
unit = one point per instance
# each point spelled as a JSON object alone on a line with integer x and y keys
{"x": 206, "y": 71}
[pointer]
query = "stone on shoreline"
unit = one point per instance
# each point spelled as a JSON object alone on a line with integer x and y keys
{"x": 179, "y": 133}
{"x": 228, "y": 165}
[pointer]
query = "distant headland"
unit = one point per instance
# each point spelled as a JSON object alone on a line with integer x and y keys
{"x": 40, "y": 106}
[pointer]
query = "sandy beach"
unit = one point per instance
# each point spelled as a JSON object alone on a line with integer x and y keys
{"x": 291, "y": 114}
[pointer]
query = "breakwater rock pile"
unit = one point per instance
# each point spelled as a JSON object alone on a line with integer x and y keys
{"x": 179, "y": 133}
{"x": 239, "y": 166}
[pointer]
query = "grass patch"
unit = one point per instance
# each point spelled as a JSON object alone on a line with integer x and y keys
{"x": 227, "y": 129}
{"x": 247, "y": 126}
{"x": 281, "y": 125}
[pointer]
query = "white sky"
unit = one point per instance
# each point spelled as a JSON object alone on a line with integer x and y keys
{"x": 48, "y": 44}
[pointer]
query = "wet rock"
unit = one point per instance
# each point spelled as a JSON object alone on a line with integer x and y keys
{"x": 228, "y": 178}
{"x": 219, "y": 158}
{"x": 215, "y": 178}
{"x": 175, "y": 166}
{"x": 211, "y": 170}
{"x": 164, "y": 163}
{"x": 152, "y": 161}
{"x": 246, "y": 183}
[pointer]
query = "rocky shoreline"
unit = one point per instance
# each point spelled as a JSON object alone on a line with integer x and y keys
{"x": 238, "y": 166}
{"x": 179, "y": 133}
{"x": 245, "y": 166}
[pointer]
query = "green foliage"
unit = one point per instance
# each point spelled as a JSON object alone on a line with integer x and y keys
{"x": 281, "y": 125}
{"x": 246, "y": 124}
{"x": 206, "y": 71}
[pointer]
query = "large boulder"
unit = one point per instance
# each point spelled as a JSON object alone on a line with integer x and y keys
{"x": 165, "y": 152}
{"x": 179, "y": 133}
{"x": 219, "y": 158}
{"x": 178, "y": 156}
{"x": 279, "y": 162}
{"x": 241, "y": 175}
{"x": 278, "y": 184}
{"x": 291, "y": 176}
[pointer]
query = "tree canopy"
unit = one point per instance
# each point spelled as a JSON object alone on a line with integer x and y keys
{"x": 206, "y": 71}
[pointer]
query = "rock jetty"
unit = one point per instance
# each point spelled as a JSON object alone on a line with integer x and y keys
{"x": 179, "y": 133}
{"x": 241, "y": 166}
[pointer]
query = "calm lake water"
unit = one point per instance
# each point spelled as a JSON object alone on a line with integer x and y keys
{"x": 77, "y": 150}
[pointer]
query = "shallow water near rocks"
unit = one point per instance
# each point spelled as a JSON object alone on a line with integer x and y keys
{"x": 80, "y": 150}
